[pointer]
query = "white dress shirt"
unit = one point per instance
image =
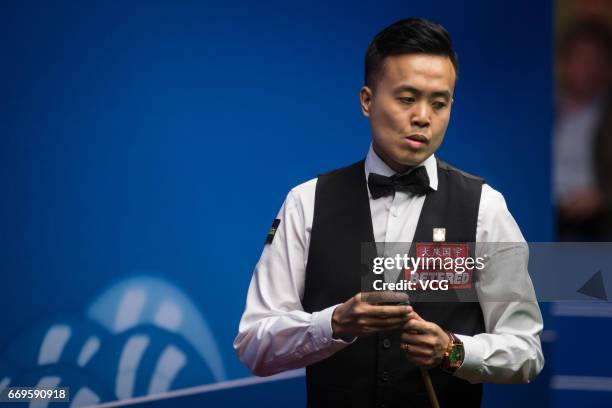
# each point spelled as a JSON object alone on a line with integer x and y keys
{"x": 276, "y": 334}
{"x": 574, "y": 136}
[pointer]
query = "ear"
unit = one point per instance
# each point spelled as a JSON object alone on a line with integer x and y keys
{"x": 365, "y": 100}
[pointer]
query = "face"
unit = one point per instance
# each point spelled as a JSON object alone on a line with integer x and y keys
{"x": 585, "y": 69}
{"x": 409, "y": 108}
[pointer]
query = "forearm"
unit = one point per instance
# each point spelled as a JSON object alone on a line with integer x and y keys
{"x": 512, "y": 353}
{"x": 271, "y": 343}
{"x": 275, "y": 333}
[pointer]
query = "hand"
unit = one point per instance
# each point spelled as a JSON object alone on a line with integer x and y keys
{"x": 424, "y": 342}
{"x": 581, "y": 204}
{"x": 356, "y": 317}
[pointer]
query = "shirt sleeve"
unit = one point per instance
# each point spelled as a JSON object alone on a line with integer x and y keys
{"x": 275, "y": 333}
{"x": 510, "y": 350}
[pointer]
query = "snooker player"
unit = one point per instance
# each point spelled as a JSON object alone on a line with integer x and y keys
{"x": 304, "y": 306}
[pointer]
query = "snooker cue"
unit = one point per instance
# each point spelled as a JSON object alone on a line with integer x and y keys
{"x": 397, "y": 299}
{"x": 431, "y": 392}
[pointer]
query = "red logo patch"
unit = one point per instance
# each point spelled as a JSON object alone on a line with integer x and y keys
{"x": 442, "y": 261}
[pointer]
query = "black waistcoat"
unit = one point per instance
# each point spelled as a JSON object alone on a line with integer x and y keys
{"x": 373, "y": 371}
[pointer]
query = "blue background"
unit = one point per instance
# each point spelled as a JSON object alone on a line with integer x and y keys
{"x": 164, "y": 136}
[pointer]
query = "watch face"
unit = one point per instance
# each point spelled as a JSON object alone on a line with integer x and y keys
{"x": 456, "y": 355}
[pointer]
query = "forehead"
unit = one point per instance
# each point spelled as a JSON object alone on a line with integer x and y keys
{"x": 422, "y": 71}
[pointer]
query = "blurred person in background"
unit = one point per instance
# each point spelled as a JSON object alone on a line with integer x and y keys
{"x": 583, "y": 134}
{"x": 592, "y": 10}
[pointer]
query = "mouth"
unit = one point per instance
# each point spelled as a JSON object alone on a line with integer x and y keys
{"x": 415, "y": 141}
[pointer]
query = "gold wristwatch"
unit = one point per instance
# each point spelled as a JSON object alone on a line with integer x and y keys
{"x": 454, "y": 354}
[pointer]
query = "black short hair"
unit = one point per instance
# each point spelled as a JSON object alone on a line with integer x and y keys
{"x": 407, "y": 36}
{"x": 592, "y": 31}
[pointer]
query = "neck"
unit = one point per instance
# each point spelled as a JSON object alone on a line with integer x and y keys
{"x": 395, "y": 166}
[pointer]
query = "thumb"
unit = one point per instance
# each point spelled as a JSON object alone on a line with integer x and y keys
{"x": 415, "y": 315}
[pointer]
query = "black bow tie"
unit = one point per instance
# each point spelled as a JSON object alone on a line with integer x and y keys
{"x": 416, "y": 181}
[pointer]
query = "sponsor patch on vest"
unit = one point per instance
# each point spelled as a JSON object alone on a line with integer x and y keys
{"x": 272, "y": 231}
{"x": 444, "y": 261}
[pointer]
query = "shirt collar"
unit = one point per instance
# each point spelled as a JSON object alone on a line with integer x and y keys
{"x": 374, "y": 164}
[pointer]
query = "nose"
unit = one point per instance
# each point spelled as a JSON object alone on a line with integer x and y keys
{"x": 420, "y": 115}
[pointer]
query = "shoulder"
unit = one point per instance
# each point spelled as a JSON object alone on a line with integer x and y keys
{"x": 300, "y": 200}
{"x": 492, "y": 202}
{"x": 495, "y": 222}
{"x": 449, "y": 169}
{"x": 492, "y": 198}
{"x": 303, "y": 194}
{"x": 489, "y": 195}
{"x": 351, "y": 168}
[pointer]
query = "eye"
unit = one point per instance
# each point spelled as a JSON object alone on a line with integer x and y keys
{"x": 438, "y": 105}
{"x": 406, "y": 100}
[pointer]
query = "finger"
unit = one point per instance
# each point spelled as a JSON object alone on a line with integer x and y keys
{"x": 417, "y": 339}
{"x": 388, "y": 311}
{"x": 411, "y": 328}
{"x": 378, "y": 322}
{"x": 415, "y": 315}
{"x": 420, "y": 326}
{"x": 375, "y": 329}
{"x": 416, "y": 351}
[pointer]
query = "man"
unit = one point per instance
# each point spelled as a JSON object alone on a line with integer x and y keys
{"x": 583, "y": 146}
{"x": 304, "y": 307}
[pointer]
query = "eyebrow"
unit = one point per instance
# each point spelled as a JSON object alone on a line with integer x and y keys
{"x": 435, "y": 94}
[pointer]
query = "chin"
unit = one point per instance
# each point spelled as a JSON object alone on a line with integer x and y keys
{"x": 407, "y": 162}
{"x": 411, "y": 160}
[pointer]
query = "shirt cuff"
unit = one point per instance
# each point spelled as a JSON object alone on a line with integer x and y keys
{"x": 473, "y": 363}
{"x": 322, "y": 320}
